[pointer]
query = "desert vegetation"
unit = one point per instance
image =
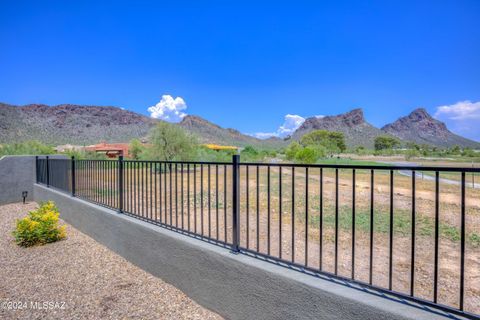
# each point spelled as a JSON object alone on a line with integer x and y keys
{"x": 39, "y": 227}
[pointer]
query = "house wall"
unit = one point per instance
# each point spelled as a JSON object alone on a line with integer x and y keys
{"x": 17, "y": 174}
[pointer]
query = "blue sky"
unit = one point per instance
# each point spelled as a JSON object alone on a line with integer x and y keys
{"x": 247, "y": 64}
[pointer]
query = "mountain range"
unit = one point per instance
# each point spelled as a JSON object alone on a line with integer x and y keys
{"x": 84, "y": 125}
{"x": 420, "y": 127}
{"x": 356, "y": 129}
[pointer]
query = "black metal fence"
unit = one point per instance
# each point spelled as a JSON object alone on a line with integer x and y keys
{"x": 413, "y": 232}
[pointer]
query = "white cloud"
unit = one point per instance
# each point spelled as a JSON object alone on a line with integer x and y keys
{"x": 462, "y": 118}
{"x": 265, "y": 135}
{"x": 169, "y": 109}
{"x": 291, "y": 123}
{"x": 464, "y": 110}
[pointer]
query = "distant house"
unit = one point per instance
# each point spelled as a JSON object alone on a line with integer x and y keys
{"x": 112, "y": 150}
{"x": 219, "y": 147}
{"x": 68, "y": 147}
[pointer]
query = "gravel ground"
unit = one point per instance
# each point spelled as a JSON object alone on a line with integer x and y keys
{"x": 85, "y": 280}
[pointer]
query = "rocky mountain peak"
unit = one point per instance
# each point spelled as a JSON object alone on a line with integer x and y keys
{"x": 420, "y": 114}
{"x": 351, "y": 118}
{"x": 420, "y": 127}
{"x": 352, "y": 124}
{"x": 354, "y": 117}
{"x": 419, "y": 119}
{"x": 192, "y": 121}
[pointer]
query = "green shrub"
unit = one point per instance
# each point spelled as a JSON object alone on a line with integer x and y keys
{"x": 39, "y": 227}
{"x": 306, "y": 155}
{"x": 292, "y": 149}
{"x": 25, "y": 148}
{"x": 334, "y": 142}
{"x": 386, "y": 143}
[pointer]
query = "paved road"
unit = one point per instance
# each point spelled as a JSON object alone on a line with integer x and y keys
{"x": 420, "y": 175}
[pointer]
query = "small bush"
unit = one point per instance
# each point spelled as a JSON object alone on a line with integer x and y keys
{"x": 39, "y": 227}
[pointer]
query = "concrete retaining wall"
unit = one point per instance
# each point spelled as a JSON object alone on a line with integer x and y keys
{"x": 17, "y": 174}
{"x": 234, "y": 285}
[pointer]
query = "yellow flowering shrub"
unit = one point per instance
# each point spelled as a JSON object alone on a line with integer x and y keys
{"x": 39, "y": 227}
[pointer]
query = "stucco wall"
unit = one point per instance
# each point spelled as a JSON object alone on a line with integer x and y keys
{"x": 17, "y": 174}
{"x": 234, "y": 285}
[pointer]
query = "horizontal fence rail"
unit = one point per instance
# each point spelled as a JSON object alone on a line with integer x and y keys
{"x": 410, "y": 231}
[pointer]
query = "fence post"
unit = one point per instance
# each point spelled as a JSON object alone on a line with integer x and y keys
{"x": 73, "y": 176}
{"x": 120, "y": 184}
{"x": 235, "y": 203}
{"x": 48, "y": 172}
{"x": 36, "y": 169}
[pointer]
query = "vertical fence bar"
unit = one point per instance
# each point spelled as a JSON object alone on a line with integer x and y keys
{"x": 160, "y": 213}
{"x": 195, "y": 198}
{"x": 390, "y": 255}
{"x": 412, "y": 250}
{"x": 72, "y": 169}
{"x": 306, "y": 216}
{"x": 155, "y": 172}
{"x": 258, "y": 208}
{"x": 150, "y": 164}
{"x": 372, "y": 193}
{"x": 225, "y": 201}
{"x": 165, "y": 191}
{"x": 181, "y": 200}
{"x": 437, "y": 225}
{"x": 268, "y": 210}
{"x": 170, "y": 188}
{"x": 209, "y": 203}
{"x": 280, "y": 212}
{"x": 120, "y": 184}
{"x": 36, "y": 170}
{"x": 235, "y": 202}
{"x": 216, "y": 201}
{"x": 248, "y": 206}
{"x": 462, "y": 249}
{"x": 97, "y": 194}
{"x": 144, "y": 188}
{"x": 293, "y": 214}
{"x": 48, "y": 171}
{"x": 320, "y": 227}
{"x": 201, "y": 198}
{"x": 176, "y": 195}
{"x": 353, "y": 222}
{"x": 336, "y": 221}
{"x": 188, "y": 196}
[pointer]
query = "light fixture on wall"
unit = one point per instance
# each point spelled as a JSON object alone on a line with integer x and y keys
{"x": 24, "y": 195}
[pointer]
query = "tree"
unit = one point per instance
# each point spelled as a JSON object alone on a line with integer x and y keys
{"x": 411, "y": 153}
{"x": 135, "y": 149}
{"x": 292, "y": 150}
{"x": 468, "y": 152}
{"x": 306, "y": 155}
{"x": 455, "y": 150}
{"x": 169, "y": 142}
{"x": 26, "y": 148}
{"x": 385, "y": 143}
{"x": 333, "y": 141}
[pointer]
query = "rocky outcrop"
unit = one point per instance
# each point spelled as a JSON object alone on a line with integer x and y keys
{"x": 420, "y": 127}
{"x": 357, "y": 131}
{"x": 69, "y": 123}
